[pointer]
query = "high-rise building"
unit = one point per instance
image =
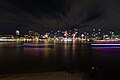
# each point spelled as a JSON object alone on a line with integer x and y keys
{"x": 31, "y": 33}
{"x": 17, "y": 32}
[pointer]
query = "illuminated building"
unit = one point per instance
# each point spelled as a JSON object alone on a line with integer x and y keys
{"x": 31, "y": 33}
{"x": 17, "y": 32}
{"x": 94, "y": 33}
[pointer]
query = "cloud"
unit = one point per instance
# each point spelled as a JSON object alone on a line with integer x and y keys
{"x": 55, "y": 14}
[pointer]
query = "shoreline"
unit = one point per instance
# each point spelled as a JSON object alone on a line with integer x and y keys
{"x": 61, "y": 75}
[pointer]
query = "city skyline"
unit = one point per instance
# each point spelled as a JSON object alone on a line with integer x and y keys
{"x": 62, "y": 36}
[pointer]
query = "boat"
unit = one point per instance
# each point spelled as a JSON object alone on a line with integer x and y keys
{"x": 105, "y": 44}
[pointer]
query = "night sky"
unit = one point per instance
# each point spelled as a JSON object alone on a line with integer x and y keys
{"x": 45, "y": 15}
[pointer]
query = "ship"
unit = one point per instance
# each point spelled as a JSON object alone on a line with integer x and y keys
{"x": 105, "y": 44}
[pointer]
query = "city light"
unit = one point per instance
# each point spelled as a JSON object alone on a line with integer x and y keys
{"x": 96, "y": 35}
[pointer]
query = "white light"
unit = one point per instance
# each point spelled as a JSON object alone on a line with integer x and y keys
{"x": 17, "y": 32}
{"x": 82, "y": 35}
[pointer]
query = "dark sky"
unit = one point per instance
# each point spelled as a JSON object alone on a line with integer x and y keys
{"x": 43, "y": 15}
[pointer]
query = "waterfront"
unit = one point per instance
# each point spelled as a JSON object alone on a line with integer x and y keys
{"x": 69, "y": 57}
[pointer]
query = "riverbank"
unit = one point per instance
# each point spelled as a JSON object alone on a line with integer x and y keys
{"x": 45, "y": 76}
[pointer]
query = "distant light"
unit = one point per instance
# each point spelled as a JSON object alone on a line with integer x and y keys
{"x": 116, "y": 38}
{"x": 93, "y": 29}
{"x": 17, "y": 32}
{"x": 99, "y": 29}
{"x": 82, "y": 35}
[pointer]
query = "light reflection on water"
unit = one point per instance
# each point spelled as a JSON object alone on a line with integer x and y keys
{"x": 108, "y": 60}
{"x": 59, "y": 56}
{"x": 109, "y": 49}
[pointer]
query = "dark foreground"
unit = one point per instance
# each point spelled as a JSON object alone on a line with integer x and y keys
{"x": 46, "y": 76}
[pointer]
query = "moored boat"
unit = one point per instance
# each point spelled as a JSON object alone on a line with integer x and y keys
{"x": 106, "y": 44}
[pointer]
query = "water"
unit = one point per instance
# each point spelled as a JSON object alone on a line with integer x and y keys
{"x": 70, "y": 57}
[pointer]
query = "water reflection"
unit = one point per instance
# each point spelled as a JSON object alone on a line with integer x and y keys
{"x": 105, "y": 55}
{"x": 106, "y": 48}
{"x": 59, "y": 56}
{"x": 108, "y": 60}
{"x": 74, "y": 50}
{"x": 46, "y": 53}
